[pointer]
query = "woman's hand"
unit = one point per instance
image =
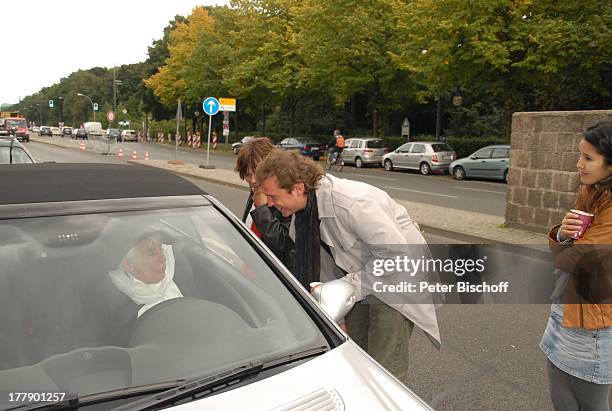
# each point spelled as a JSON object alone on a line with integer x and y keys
{"x": 570, "y": 226}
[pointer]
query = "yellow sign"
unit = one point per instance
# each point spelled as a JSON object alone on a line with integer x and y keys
{"x": 227, "y": 104}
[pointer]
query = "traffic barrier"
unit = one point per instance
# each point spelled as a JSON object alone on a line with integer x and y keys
{"x": 82, "y": 146}
{"x": 178, "y": 137}
{"x": 146, "y": 155}
{"x": 188, "y": 138}
{"x": 214, "y": 136}
{"x": 120, "y": 153}
{"x": 134, "y": 155}
{"x": 169, "y": 137}
{"x": 197, "y": 140}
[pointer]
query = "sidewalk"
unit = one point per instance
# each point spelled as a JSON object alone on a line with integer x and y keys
{"x": 473, "y": 227}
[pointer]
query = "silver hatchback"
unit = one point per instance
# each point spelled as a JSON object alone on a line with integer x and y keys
{"x": 425, "y": 156}
{"x": 362, "y": 151}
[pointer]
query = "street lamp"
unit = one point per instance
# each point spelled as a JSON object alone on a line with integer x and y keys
{"x": 92, "y": 103}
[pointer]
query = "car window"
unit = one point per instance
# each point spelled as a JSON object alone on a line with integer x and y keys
{"x": 375, "y": 144}
{"x": 285, "y": 141}
{"x": 19, "y": 156}
{"x": 484, "y": 153}
{"x": 441, "y": 147}
{"x": 75, "y": 287}
{"x": 306, "y": 141}
{"x": 405, "y": 148}
{"x": 12, "y": 122}
{"x": 500, "y": 153}
{"x": 418, "y": 148}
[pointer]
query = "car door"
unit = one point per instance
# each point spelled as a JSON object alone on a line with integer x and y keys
{"x": 499, "y": 162}
{"x": 417, "y": 155}
{"x": 400, "y": 156}
{"x": 478, "y": 165}
{"x": 348, "y": 154}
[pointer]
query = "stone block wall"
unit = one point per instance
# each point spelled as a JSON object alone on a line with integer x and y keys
{"x": 542, "y": 181}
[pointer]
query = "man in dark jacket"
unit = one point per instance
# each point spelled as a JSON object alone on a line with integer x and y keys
{"x": 266, "y": 222}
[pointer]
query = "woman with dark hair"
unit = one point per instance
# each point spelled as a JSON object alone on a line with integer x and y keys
{"x": 266, "y": 222}
{"x": 578, "y": 338}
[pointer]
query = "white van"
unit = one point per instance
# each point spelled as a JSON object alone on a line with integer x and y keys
{"x": 129, "y": 135}
{"x": 94, "y": 128}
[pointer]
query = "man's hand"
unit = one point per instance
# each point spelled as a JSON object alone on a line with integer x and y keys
{"x": 259, "y": 198}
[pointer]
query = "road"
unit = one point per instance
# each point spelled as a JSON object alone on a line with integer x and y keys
{"x": 486, "y": 197}
{"x": 489, "y": 359}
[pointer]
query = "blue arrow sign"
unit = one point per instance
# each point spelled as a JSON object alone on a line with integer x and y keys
{"x": 211, "y": 106}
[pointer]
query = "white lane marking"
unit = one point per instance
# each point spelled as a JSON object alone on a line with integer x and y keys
{"x": 420, "y": 192}
{"x": 479, "y": 189}
{"x": 368, "y": 176}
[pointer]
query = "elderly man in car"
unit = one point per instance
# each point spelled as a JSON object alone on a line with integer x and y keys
{"x": 146, "y": 273}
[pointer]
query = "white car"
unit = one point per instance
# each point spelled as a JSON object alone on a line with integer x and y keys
{"x": 129, "y": 135}
{"x": 56, "y": 131}
{"x": 226, "y": 328}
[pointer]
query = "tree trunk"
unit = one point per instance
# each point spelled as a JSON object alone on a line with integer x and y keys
{"x": 292, "y": 122}
{"x": 375, "y": 122}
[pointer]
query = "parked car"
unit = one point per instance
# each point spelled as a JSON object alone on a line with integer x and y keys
{"x": 45, "y": 131}
{"x": 305, "y": 145}
{"x": 113, "y": 134}
{"x": 236, "y": 146}
{"x": 362, "y": 151}
{"x": 13, "y": 152}
{"x": 228, "y": 326}
{"x": 488, "y": 162}
{"x": 66, "y": 131}
{"x": 425, "y": 156}
{"x": 56, "y": 131}
{"x": 129, "y": 135}
{"x": 82, "y": 134}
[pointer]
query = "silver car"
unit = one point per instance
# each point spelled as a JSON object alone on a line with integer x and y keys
{"x": 488, "y": 162}
{"x": 425, "y": 156}
{"x": 362, "y": 151}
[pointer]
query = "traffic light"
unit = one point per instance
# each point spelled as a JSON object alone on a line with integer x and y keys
{"x": 95, "y": 106}
{"x": 51, "y": 103}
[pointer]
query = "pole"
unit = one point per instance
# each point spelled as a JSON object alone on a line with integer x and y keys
{"x": 114, "y": 90}
{"x": 178, "y": 120}
{"x": 208, "y": 145}
{"x": 438, "y": 119}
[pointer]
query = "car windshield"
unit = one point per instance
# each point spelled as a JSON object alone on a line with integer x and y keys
{"x": 19, "y": 156}
{"x": 11, "y": 122}
{"x": 97, "y": 302}
{"x": 441, "y": 147}
{"x": 375, "y": 144}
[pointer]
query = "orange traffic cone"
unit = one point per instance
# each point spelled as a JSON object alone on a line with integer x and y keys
{"x": 120, "y": 153}
{"x": 146, "y": 155}
{"x": 82, "y": 146}
{"x": 134, "y": 155}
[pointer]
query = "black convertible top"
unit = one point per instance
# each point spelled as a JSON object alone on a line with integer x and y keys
{"x": 50, "y": 182}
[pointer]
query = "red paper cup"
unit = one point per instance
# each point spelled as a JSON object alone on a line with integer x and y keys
{"x": 586, "y": 219}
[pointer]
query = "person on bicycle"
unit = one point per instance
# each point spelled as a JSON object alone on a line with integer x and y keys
{"x": 336, "y": 145}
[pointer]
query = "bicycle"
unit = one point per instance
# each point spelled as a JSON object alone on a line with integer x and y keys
{"x": 334, "y": 159}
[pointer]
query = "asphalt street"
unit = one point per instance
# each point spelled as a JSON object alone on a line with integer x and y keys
{"x": 489, "y": 359}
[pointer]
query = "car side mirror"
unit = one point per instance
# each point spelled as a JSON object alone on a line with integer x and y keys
{"x": 337, "y": 298}
{"x": 474, "y": 158}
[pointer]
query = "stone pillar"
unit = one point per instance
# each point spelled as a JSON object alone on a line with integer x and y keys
{"x": 542, "y": 181}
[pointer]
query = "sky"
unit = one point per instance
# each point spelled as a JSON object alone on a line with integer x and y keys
{"x": 49, "y": 39}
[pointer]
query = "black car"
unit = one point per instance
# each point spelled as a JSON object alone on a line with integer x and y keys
{"x": 305, "y": 145}
{"x": 45, "y": 131}
{"x": 13, "y": 152}
{"x": 81, "y": 133}
{"x": 67, "y": 131}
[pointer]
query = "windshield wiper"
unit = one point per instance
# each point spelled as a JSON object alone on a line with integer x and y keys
{"x": 73, "y": 401}
{"x": 289, "y": 358}
{"x": 199, "y": 386}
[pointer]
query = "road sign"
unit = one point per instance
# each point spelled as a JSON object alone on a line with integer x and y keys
{"x": 227, "y": 104}
{"x": 211, "y": 106}
{"x": 51, "y": 103}
{"x": 95, "y": 106}
{"x": 110, "y": 116}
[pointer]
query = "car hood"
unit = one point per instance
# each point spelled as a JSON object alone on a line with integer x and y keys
{"x": 344, "y": 378}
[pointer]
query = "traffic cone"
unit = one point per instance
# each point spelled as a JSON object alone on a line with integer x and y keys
{"x": 82, "y": 146}
{"x": 120, "y": 153}
{"x": 134, "y": 155}
{"x": 146, "y": 155}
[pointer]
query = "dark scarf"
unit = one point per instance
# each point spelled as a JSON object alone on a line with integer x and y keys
{"x": 308, "y": 243}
